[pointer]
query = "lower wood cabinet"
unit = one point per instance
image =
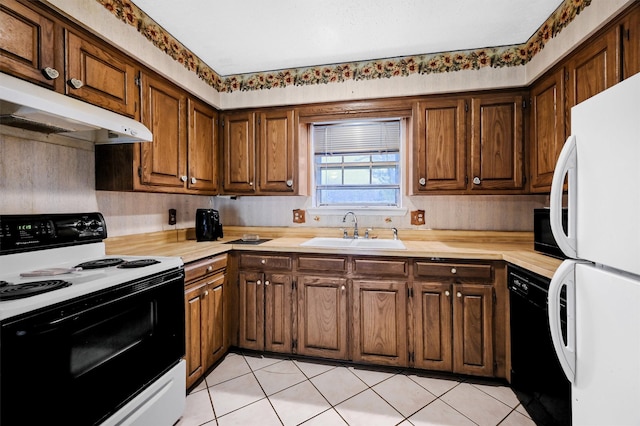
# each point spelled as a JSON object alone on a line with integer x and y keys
{"x": 453, "y": 318}
{"x": 379, "y": 322}
{"x": 205, "y": 326}
{"x": 434, "y": 315}
{"x": 265, "y": 305}
{"x": 265, "y": 311}
{"x": 322, "y": 316}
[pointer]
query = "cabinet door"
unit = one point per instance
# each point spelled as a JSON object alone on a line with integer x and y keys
{"x": 631, "y": 43}
{"x": 251, "y": 311}
{"x": 592, "y": 70}
{"x": 473, "y": 329}
{"x": 194, "y": 333}
{"x": 163, "y": 112}
{"x": 278, "y": 313}
{"x": 239, "y": 147}
{"x": 380, "y": 322}
{"x": 214, "y": 344}
{"x": 322, "y": 317}
{"x": 26, "y": 43}
{"x": 497, "y": 145}
{"x": 440, "y": 160}
{"x": 547, "y": 129}
{"x": 202, "y": 147}
{"x": 277, "y": 158}
{"x": 433, "y": 326}
{"x": 99, "y": 76}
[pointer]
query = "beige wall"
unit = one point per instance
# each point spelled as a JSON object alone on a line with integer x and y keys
{"x": 47, "y": 174}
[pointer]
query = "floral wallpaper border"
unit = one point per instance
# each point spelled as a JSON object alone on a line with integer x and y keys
{"x": 496, "y": 57}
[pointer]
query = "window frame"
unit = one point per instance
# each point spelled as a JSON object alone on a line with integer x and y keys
{"x": 373, "y": 209}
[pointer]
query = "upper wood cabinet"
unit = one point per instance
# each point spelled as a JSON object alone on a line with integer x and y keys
{"x": 238, "y": 153}
{"x": 164, "y": 161}
{"x": 183, "y": 156}
{"x": 440, "y": 145}
{"x": 265, "y": 136}
{"x": 497, "y": 142}
{"x": 592, "y": 69}
{"x": 202, "y": 147}
{"x": 27, "y": 43}
{"x": 630, "y": 34}
{"x": 547, "y": 129}
{"x": 99, "y": 76}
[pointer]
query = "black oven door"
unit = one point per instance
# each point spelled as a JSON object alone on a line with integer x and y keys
{"x": 78, "y": 362}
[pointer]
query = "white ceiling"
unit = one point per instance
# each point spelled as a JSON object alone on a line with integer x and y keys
{"x": 246, "y": 36}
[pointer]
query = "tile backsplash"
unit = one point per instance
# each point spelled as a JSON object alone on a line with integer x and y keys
{"x": 49, "y": 174}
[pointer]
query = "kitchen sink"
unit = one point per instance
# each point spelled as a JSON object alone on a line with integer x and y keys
{"x": 360, "y": 243}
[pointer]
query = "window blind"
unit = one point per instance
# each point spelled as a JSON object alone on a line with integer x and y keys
{"x": 353, "y": 138}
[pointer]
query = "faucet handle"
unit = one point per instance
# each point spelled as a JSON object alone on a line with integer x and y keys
{"x": 366, "y": 233}
{"x": 395, "y": 233}
{"x": 344, "y": 233}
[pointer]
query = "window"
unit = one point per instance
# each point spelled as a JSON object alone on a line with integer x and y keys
{"x": 357, "y": 164}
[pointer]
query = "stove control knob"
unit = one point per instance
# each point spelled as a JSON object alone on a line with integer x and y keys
{"x": 81, "y": 226}
{"x": 94, "y": 225}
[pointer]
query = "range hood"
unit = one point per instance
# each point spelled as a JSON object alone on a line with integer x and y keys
{"x": 35, "y": 108}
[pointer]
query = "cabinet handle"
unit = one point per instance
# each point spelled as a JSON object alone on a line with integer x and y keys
{"x": 258, "y": 282}
{"x": 446, "y": 293}
{"x": 343, "y": 288}
{"x": 476, "y": 180}
{"x": 263, "y": 261}
{"x": 193, "y": 180}
{"x": 266, "y": 282}
{"x": 458, "y": 294}
{"x": 289, "y": 183}
{"x": 183, "y": 178}
{"x": 250, "y": 183}
{"x": 209, "y": 268}
{"x": 75, "y": 83}
{"x": 422, "y": 181}
{"x": 206, "y": 293}
{"x": 454, "y": 270}
{"x": 50, "y": 73}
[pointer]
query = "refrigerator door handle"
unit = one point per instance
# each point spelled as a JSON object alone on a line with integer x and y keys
{"x": 566, "y": 166}
{"x": 564, "y": 276}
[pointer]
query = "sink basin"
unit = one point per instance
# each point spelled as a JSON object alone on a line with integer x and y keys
{"x": 360, "y": 244}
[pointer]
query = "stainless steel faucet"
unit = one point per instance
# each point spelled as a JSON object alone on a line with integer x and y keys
{"x": 355, "y": 223}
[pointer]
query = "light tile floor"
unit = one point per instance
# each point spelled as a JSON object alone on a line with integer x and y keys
{"x": 248, "y": 389}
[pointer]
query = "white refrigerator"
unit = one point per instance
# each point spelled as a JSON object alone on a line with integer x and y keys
{"x": 600, "y": 350}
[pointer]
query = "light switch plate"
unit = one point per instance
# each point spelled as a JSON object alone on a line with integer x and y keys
{"x": 172, "y": 216}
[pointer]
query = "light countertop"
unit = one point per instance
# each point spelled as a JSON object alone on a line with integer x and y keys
{"x": 516, "y": 247}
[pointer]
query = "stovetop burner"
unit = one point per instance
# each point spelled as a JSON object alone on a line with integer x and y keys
{"x": 10, "y": 291}
{"x": 100, "y": 263}
{"x": 140, "y": 263}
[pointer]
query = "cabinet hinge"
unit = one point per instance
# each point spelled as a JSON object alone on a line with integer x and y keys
{"x": 294, "y": 285}
{"x": 494, "y": 297}
{"x": 466, "y": 180}
{"x": 566, "y": 76}
{"x": 137, "y": 81}
{"x": 412, "y": 357}
{"x": 524, "y": 104}
{"x": 466, "y": 106}
{"x": 294, "y": 344}
{"x": 140, "y": 172}
{"x": 626, "y": 33}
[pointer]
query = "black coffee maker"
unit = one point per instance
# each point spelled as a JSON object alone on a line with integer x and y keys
{"x": 208, "y": 226}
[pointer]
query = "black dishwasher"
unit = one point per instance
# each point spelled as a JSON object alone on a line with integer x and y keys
{"x": 536, "y": 375}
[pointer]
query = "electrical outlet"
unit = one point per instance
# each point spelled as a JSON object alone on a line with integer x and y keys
{"x": 172, "y": 216}
{"x": 298, "y": 216}
{"x": 417, "y": 217}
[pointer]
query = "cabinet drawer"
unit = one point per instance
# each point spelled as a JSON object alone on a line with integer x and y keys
{"x": 203, "y": 267}
{"x": 453, "y": 270}
{"x": 380, "y": 267}
{"x": 263, "y": 261}
{"x": 322, "y": 264}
